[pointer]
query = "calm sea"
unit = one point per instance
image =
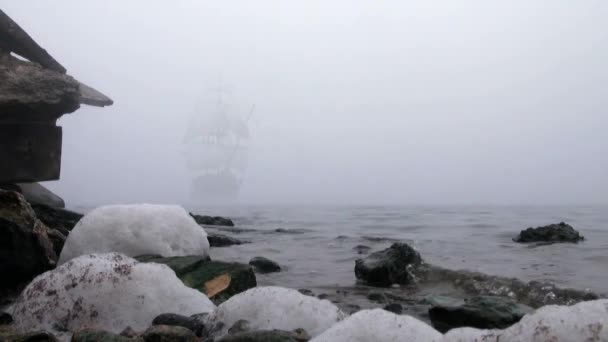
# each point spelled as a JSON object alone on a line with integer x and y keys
{"x": 316, "y": 249}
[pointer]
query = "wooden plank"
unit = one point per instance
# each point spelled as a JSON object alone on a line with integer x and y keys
{"x": 14, "y": 39}
{"x": 93, "y": 97}
{"x": 30, "y": 153}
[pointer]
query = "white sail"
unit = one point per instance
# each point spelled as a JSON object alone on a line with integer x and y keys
{"x": 216, "y": 150}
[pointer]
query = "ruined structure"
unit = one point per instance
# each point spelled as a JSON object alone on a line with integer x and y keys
{"x": 35, "y": 91}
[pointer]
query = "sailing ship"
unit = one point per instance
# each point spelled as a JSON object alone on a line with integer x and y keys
{"x": 217, "y": 142}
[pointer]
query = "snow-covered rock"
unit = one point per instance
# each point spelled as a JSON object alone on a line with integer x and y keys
{"x": 105, "y": 291}
{"x": 379, "y": 326}
{"x": 267, "y": 308}
{"x": 136, "y": 229}
{"x": 586, "y": 321}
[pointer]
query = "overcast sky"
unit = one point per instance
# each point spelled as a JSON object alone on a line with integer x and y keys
{"x": 401, "y": 102}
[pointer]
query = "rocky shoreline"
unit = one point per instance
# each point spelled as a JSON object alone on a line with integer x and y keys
{"x": 396, "y": 279}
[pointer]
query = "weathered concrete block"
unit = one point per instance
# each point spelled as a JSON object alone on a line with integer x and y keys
{"x": 30, "y": 153}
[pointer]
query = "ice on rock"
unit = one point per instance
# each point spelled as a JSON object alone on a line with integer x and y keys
{"x": 267, "y": 308}
{"x": 379, "y": 326}
{"x": 136, "y": 229}
{"x": 586, "y": 321}
{"x": 106, "y": 291}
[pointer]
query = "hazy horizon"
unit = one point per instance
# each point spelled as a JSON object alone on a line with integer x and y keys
{"x": 387, "y": 102}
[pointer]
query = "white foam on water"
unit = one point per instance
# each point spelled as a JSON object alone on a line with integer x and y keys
{"x": 136, "y": 229}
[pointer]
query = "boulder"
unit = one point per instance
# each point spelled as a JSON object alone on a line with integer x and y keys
{"x": 394, "y": 265}
{"x": 264, "y": 265}
{"x": 362, "y": 249}
{"x": 37, "y": 336}
{"x": 25, "y": 247}
{"x": 395, "y": 308}
{"x": 59, "y": 222}
{"x": 560, "y": 232}
{"x": 195, "y": 325}
{"x": 263, "y": 336}
{"x": 239, "y": 326}
{"x": 57, "y": 239}
{"x": 5, "y": 318}
{"x": 56, "y": 218}
{"x": 269, "y": 308}
{"x": 36, "y": 193}
{"x": 136, "y": 229}
{"x": 168, "y": 333}
{"x": 92, "y": 335}
{"x": 212, "y": 220}
{"x": 220, "y": 240}
{"x": 218, "y": 280}
{"x": 105, "y": 291}
{"x": 483, "y": 312}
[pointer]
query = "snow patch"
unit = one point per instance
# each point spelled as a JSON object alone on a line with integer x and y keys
{"x": 136, "y": 229}
{"x": 104, "y": 291}
{"x": 379, "y": 326}
{"x": 267, "y": 308}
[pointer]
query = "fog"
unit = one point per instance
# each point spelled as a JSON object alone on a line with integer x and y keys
{"x": 357, "y": 102}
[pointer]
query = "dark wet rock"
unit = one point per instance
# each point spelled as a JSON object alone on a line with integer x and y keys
{"x": 301, "y": 335}
{"x": 560, "y": 232}
{"x": 57, "y": 239}
{"x": 129, "y": 332}
{"x": 212, "y": 220}
{"x": 168, "y": 333}
{"x": 35, "y": 193}
{"x": 38, "y": 336}
{"x": 350, "y": 308}
{"x": 5, "y": 318}
{"x": 379, "y": 239}
{"x": 92, "y": 335}
{"x": 195, "y": 325}
{"x": 220, "y": 240}
{"x": 291, "y": 231}
{"x": 394, "y": 265}
{"x": 180, "y": 264}
{"x": 376, "y": 297}
{"x": 25, "y": 247}
{"x": 534, "y": 294}
{"x": 323, "y": 296}
{"x": 211, "y": 329}
{"x": 264, "y": 265}
{"x": 232, "y": 230}
{"x": 362, "y": 249}
{"x": 239, "y": 326}
{"x": 264, "y": 336}
{"x": 62, "y": 220}
{"x": 306, "y": 292}
{"x": 438, "y": 300}
{"x": 218, "y": 280}
{"x": 485, "y": 312}
{"x": 395, "y": 308}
